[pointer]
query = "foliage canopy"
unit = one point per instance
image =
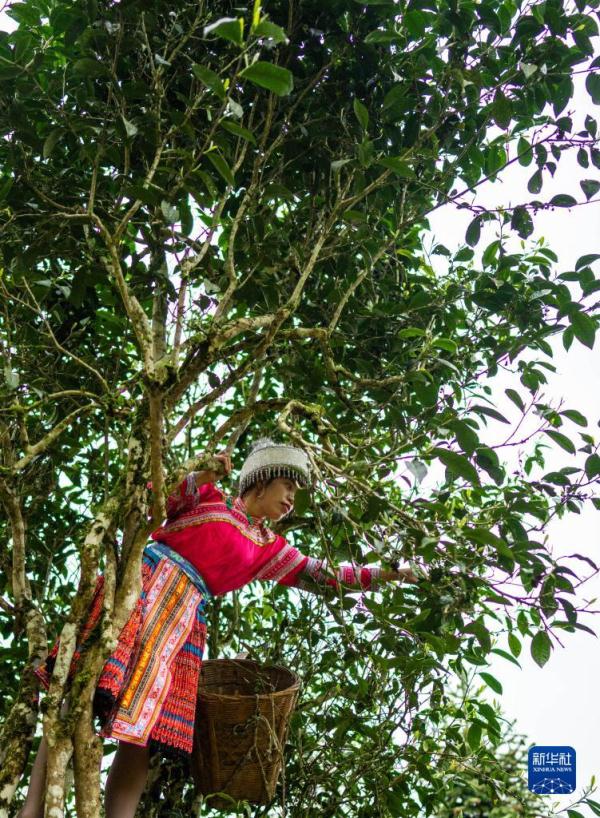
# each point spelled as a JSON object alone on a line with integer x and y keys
{"x": 212, "y": 224}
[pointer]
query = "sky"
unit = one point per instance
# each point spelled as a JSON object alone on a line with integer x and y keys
{"x": 559, "y": 704}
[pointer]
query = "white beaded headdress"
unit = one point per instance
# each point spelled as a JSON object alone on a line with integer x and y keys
{"x": 268, "y": 459}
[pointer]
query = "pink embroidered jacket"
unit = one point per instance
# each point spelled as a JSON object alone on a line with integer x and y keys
{"x": 213, "y": 532}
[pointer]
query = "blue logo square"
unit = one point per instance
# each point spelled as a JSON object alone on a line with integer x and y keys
{"x": 551, "y": 770}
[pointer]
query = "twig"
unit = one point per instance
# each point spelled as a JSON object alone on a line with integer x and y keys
{"x": 60, "y": 347}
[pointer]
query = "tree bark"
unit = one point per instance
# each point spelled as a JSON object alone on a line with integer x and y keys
{"x": 19, "y": 727}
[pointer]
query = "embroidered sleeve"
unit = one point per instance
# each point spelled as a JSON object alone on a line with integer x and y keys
{"x": 187, "y": 496}
{"x": 290, "y": 567}
{"x": 282, "y": 566}
{"x": 315, "y": 574}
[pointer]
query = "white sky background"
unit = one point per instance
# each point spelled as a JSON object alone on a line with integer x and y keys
{"x": 559, "y": 704}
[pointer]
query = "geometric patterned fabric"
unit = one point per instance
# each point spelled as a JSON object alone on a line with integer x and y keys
{"x": 146, "y": 693}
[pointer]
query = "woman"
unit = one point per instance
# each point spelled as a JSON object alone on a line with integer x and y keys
{"x": 209, "y": 544}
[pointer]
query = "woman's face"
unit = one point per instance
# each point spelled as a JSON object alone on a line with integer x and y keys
{"x": 277, "y": 499}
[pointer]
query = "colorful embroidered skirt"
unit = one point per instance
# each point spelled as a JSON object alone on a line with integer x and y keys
{"x": 146, "y": 693}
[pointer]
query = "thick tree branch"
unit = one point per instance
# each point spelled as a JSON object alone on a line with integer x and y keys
{"x": 42, "y": 445}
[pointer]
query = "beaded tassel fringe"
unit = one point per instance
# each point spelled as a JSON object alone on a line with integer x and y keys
{"x": 267, "y": 472}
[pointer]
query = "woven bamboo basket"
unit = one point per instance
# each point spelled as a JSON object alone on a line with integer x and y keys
{"x": 242, "y": 718}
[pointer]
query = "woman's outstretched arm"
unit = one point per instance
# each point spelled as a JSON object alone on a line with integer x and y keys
{"x": 314, "y": 574}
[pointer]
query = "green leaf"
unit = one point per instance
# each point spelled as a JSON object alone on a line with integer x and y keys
{"x": 445, "y": 343}
{"x": 6, "y": 184}
{"x": 486, "y": 537}
{"x": 169, "y": 211}
{"x": 492, "y": 682}
{"x": 11, "y": 378}
{"x": 272, "y": 77}
{"x": 237, "y": 130}
{"x": 130, "y": 127}
{"x": 585, "y": 261}
{"x": 466, "y": 436}
{"x": 88, "y": 67}
{"x": 394, "y": 95}
{"x": 584, "y": 328}
{"x": 269, "y": 30}
{"x": 464, "y": 254}
{"x": 522, "y": 222}
{"x": 213, "y": 380}
{"x": 505, "y": 655}
{"x": 221, "y": 167}
{"x": 592, "y": 466}
{"x": 234, "y": 108}
{"x": 23, "y": 13}
{"x": 50, "y": 142}
{"x": 501, "y": 110}
{"x": 230, "y": 28}
{"x": 524, "y": 152}
{"x": 337, "y": 164}
{"x": 186, "y": 216}
{"x": 563, "y": 441}
{"x": 474, "y": 736}
{"x": 488, "y": 460}
{"x": 365, "y": 152}
{"x": 573, "y": 813}
{"x": 558, "y": 478}
{"x": 590, "y": 187}
{"x": 593, "y": 805}
{"x": 399, "y": 166}
{"x": 575, "y": 416}
{"x": 361, "y": 113}
{"x": 567, "y": 338}
{"x": 481, "y": 632}
{"x": 256, "y": 14}
{"x": 514, "y": 644}
{"x": 492, "y": 413}
{"x": 534, "y": 185}
{"x": 589, "y": 561}
{"x": 301, "y": 501}
{"x": 528, "y": 69}
{"x": 541, "y": 646}
{"x": 563, "y": 200}
{"x": 592, "y": 83}
{"x": 210, "y": 79}
{"x": 379, "y": 36}
{"x": 418, "y": 469}
{"x": 473, "y": 233}
{"x": 458, "y": 464}
{"x": 490, "y": 253}
{"x": 515, "y": 398}
{"x": 415, "y": 22}
{"x": 591, "y": 125}
{"x": 9, "y": 69}
{"x": 147, "y": 193}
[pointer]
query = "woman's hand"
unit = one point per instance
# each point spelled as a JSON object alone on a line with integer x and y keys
{"x": 400, "y": 575}
{"x": 407, "y": 575}
{"x": 225, "y": 460}
{"x": 210, "y": 475}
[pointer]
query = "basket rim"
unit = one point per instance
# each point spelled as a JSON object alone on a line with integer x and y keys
{"x": 294, "y": 687}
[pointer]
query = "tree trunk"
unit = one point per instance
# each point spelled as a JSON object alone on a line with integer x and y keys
{"x": 16, "y": 738}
